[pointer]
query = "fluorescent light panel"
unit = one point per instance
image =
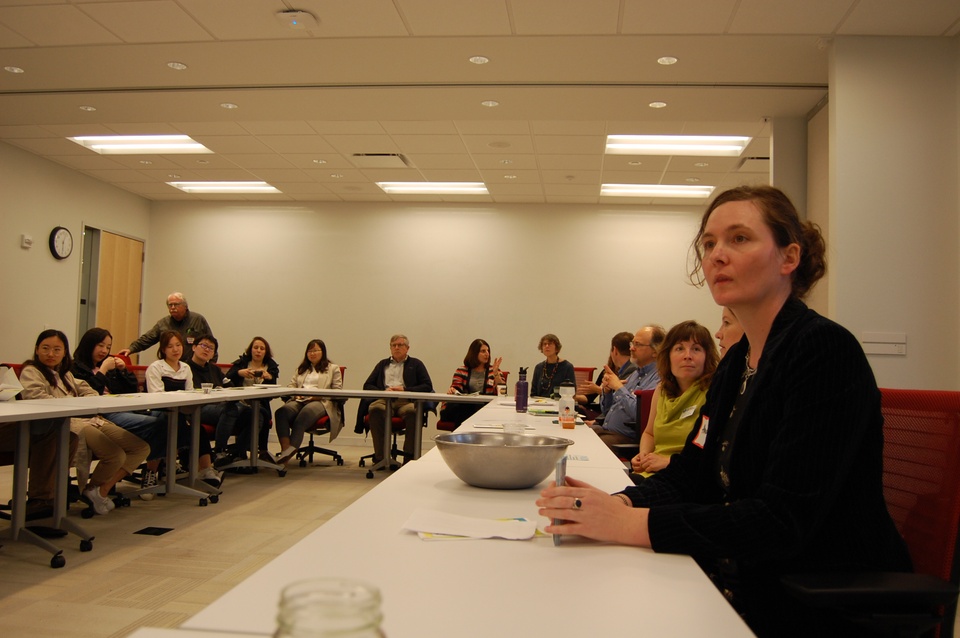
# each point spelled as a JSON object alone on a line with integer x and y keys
{"x": 224, "y": 187}
{"x": 434, "y": 188}
{"x": 715, "y": 145}
{"x": 140, "y": 144}
{"x": 656, "y": 190}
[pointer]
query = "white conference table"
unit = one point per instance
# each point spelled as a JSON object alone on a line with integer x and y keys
{"x": 486, "y": 587}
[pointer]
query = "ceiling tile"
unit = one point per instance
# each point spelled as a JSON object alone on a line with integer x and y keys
{"x": 892, "y": 17}
{"x": 817, "y": 17}
{"x": 677, "y": 16}
{"x": 147, "y": 21}
{"x": 548, "y": 17}
{"x": 455, "y": 17}
{"x": 60, "y": 25}
{"x": 499, "y": 143}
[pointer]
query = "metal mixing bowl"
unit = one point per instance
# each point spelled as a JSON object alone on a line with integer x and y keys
{"x": 501, "y": 461}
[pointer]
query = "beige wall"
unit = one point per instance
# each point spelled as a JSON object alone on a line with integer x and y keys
{"x": 38, "y": 291}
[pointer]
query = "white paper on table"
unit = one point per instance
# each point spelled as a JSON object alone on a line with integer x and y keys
{"x": 434, "y": 522}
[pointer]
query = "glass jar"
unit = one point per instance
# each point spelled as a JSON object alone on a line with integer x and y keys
{"x": 324, "y": 607}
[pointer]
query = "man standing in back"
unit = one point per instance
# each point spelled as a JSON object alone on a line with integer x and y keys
{"x": 188, "y": 323}
{"x": 398, "y": 373}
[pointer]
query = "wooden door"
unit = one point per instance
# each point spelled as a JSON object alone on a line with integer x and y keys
{"x": 119, "y": 287}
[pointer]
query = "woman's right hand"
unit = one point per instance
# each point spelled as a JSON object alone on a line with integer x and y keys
{"x": 451, "y": 390}
{"x": 108, "y": 364}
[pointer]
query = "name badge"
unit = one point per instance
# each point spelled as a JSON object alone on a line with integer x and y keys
{"x": 688, "y": 412}
{"x": 701, "y": 438}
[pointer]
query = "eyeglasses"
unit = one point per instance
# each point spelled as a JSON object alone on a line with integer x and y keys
{"x": 207, "y": 347}
{"x": 317, "y": 351}
{"x": 637, "y": 344}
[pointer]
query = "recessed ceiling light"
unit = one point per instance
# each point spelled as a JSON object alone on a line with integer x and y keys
{"x": 88, "y": 109}
{"x": 506, "y": 162}
{"x": 228, "y": 105}
{"x": 715, "y": 145}
{"x": 657, "y": 105}
{"x": 702, "y": 164}
{"x": 509, "y": 177}
{"x": 490, "y": 103}
{"x": 693, "y": 180}
{"x": 499, "y": 144}
{"x": 146, "y": 162}
{"x": 635, "y": 163}
{"x": 479, "y": 59}
{"x": 13, "y": 69}
{"x": 664, "y": 191}
{"x": 434, "y": 188}
{"x": 177, "y": 66}
{"x": 203, "y": 161}
{"x": 173, "y": 176}
{"x": 140, "y": 144}
{"x": 224, "y": 187}
{"x": 319, "y": 161}
{"x": 667, "y": 60}
{"x": 336, "y": 175}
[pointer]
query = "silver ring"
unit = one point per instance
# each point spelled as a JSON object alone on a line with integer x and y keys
{"x": 577, "y": 503}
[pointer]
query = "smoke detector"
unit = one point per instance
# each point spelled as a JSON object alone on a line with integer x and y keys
{"x": 296, "y": 19}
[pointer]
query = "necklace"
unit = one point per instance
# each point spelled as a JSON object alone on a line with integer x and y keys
{"x": 546, "y": 382}
{"x": 748, "y": 373}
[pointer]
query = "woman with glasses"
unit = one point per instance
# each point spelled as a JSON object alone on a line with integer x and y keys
{"x": 47, "y": 376}
{"x": 301, "y": 412}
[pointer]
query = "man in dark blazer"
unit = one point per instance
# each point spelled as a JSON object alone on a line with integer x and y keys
{"x": 399, "y": 373}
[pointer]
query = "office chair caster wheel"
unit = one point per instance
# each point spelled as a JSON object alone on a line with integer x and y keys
{"x": 121, "y": 501}
{"x": 281, "y": 473}
{"x": 86, "y": 544}
{"x": 363, "y": 463}
{"x": 303, "y": 462}
{"x": 203, "y": 502}
{"x": 370, "y": 474}
{"x": 58, "y": 561}
{"x": 87, "y": 512}
{"x": 214, "y": 498}
{"x": 339, "y": 460}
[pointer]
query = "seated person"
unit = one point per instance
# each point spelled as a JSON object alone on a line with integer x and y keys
{"x": 552, "y": 371}
{"x": 93, "y": 364}
{"x": 618, "y": 400}
{"x": 169, "y": 373}
{"x": 397, "y": 373}
{"x": 47, "y": 376}
{"x": 730, "y": 331}
{"x": 686, "y": 363}
{"x": 299, "y": 413}
{"x": 255, "y": 365}
{"x": 476, "y": 376}
{"x": 588, "y": 392}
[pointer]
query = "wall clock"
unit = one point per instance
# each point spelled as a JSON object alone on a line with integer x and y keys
{"x": 61, "y": 242}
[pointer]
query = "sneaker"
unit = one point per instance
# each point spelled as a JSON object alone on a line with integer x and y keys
{"x": 210, "y": 476}
{"x": 286, "y": 455}
{"x": 101, "y": 504}
{"x": 266, "y": 456}
{"x": 223, "y": 459}
{"x": 149, "y": 480}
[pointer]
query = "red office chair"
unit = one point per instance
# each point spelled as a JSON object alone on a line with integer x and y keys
{"x": 450, "y": 426}
{"x": 626, "y": 451}
{"x": 921, "y": 484}
{"x": 321, "y": 427}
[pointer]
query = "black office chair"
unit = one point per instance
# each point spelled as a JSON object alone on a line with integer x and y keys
{"x": 921, "y": 483}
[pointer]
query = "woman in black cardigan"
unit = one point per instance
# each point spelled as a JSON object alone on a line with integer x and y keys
{"x": 782, "y": 472}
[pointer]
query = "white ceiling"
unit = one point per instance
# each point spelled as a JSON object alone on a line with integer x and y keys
{"x": 393, "y": 76}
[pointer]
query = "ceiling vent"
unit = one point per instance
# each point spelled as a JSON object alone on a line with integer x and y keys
{"x": 754, "y": 165}
{"x": 380, "y": 160}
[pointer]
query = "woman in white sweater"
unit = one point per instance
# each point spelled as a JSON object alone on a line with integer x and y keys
{"x": 300, "y": 412}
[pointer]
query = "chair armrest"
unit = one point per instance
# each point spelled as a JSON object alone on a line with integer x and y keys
{"x": 625, "y": 451}
{"x": 874, "y": 589}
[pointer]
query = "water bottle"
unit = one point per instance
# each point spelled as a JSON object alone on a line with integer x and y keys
{"x": 522, "y": 391}
{"x": 567, "y": 407}
{"x": 327, "y": 607}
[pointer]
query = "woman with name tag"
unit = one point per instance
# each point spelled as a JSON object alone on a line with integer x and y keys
{"x": 47, "y": 376}
{"x": 686, "y": 362}
{"x": 782, "y": 471}
{"x": 730, "y": 331}
{"x": 477, "y": 375}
